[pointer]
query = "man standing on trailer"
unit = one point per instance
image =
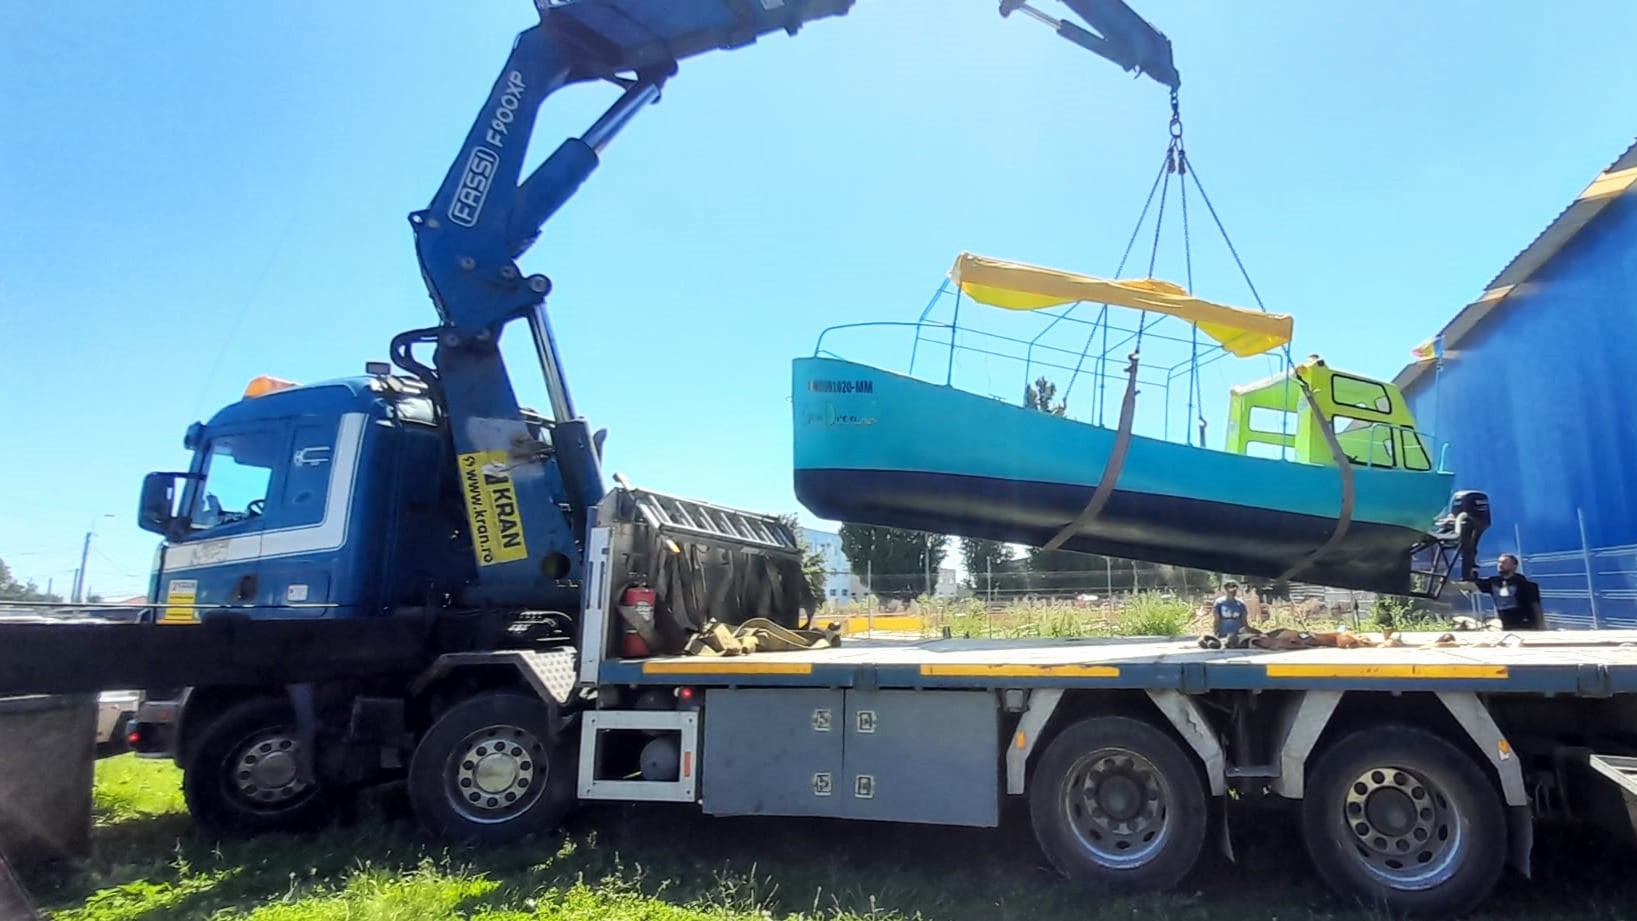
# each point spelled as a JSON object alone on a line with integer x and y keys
{"x": 1517, "y": 599}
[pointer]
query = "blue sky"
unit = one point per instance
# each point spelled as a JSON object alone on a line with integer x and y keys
{"x": 199, "y": 193}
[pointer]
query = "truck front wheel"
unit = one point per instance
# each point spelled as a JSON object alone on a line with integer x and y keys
{"x": 240, "y": 777}
{"x": 1117, "y": 801}
{"x": 1403, "y": 818}
{"x": 492, "y": 770}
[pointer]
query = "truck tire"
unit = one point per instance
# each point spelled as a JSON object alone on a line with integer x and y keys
{"x": 492, "y": 770}
{"x": 1119, "y": 802}
{"x": 1404, "y": 819}
{"x": 240, "y": 776}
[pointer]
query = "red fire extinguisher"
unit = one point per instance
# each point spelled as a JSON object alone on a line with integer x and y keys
{"x": 637, "y": 603}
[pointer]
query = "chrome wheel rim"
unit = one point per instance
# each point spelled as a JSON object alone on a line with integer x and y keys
{"x": 496, "y": 773}
{"x": 1117, "y": 805}
{"x": 1402, "y": 829}
{"x": 264, "y": 772}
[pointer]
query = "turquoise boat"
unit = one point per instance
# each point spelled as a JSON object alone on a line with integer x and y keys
{"x": 883, "y": 447}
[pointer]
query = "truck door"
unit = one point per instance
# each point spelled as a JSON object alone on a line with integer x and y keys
{"x": 216, "y": 564}
{"x": 306, "y": 518}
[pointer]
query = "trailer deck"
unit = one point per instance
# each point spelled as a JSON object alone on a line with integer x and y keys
{"x": 1582, "y": 663}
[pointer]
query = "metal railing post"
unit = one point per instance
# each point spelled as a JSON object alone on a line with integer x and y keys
{"x": 1586, "y": 555}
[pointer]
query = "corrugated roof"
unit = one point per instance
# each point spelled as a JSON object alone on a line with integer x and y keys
{"x": 1617, "y": 179}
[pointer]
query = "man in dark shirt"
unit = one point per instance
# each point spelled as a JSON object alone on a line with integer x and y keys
{"x": 1517, "y": 599}
{"x": 1228, "y": 613}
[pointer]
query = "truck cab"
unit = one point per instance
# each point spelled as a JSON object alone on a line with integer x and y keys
{"x": 332, "y": 499}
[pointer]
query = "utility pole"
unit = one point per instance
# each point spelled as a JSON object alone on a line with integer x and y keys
{"x": 79, "y": 574}
{"x": 85, "y": 553}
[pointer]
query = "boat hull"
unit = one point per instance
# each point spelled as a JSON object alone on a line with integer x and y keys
{"x": 874, "y": 447}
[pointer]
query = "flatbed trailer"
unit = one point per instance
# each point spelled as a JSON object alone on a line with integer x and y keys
{"x": 1420, "y": 766}
{"x": 1418, "y": 769}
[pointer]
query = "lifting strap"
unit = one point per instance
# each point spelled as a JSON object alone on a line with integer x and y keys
{"x": 759, "y": 635}
{"x": 1111, "y": 470}
{"x": 697, "y": 586}
{"x": 1344, "y": 466}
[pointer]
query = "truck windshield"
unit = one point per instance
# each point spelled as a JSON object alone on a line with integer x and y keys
{"x": 237, "y": 474}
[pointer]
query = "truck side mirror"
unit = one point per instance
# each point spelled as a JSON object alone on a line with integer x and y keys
{"x": 155, "y": 512}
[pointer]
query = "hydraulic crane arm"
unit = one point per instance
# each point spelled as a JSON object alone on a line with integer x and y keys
{"x": 1127, "y": 39}
{"x": 482, "y": 218}
{"x": 528, "y": 489}
{"x": 527, "y": 492}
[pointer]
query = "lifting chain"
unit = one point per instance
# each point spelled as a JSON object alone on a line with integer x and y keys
{"x": 1177, "y": 158}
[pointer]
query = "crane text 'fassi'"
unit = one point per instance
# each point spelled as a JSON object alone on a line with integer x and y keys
{"x": 484, "y": 162}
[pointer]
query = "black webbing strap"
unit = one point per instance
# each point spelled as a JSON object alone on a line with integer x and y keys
{"x": 1111, "y": 470}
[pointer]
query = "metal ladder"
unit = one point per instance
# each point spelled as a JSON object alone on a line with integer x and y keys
{"x": 680, "y": 516}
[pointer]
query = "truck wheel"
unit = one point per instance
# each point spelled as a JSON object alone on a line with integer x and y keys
{"x": 1119, "y": 802}
{"x": 1404, "y": 818}
{"x": 492, "y": 770}
{"x": 240, "y": 777}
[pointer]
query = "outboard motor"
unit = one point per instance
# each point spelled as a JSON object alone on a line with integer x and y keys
{"x": 1469, "y": 517}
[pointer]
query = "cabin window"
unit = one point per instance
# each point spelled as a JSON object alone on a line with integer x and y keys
{"x": 1364, "y": 442}
{"x": 237, "y": 474}
{"x": 1358, "y": 393}
{"x": 1414, "y": 451}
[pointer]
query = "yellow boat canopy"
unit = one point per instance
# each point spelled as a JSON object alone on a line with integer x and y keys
{"x": 1018, "y": 286}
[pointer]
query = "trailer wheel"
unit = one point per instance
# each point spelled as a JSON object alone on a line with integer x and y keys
{"x": 240, "y": 777}
{"x": 492, "y": 770}
{"x": 1117, "y": 801}
{"x": 1404, "y": 818}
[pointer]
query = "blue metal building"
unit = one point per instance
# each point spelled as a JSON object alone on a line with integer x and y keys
{"x": 1525, "y": 394}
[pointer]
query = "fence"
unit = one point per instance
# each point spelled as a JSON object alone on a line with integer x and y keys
{"x": 1581, "y": 586}
{"x": 1013, "y": 586}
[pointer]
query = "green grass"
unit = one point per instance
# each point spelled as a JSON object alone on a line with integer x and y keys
{"x": 665, "y": 863}
{"x": 1149, "y": 613}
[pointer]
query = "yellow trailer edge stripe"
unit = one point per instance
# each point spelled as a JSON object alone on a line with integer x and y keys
{"x": 1315, "y": 670}
{"x": 1019, "y": 671}
{"x": 726, "y": 667}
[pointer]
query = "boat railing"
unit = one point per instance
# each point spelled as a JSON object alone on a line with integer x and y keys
{"x": 1388, "y": 443}
{"x": 1105, "y": 368}
{"x": 1102, "y": 359}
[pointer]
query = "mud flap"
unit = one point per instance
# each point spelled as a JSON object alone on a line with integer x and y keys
{"x": 1521, "y": 835}
{"x": 301, "y": 700}
{"x": 1225, "y": 836}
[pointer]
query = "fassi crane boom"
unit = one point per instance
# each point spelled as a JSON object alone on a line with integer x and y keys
{"x": 535, "y": 480}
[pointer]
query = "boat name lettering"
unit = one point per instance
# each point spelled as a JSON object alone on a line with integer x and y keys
{"x": 858, "y": 386}
{"x": 831, "y": 417}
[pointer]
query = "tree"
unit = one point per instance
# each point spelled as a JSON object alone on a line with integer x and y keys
{"x": 981, "y": 557}
{"x": 13, "y": 590}
{"x": 812, "y": 561}
{"x": 1039, "y": 396}
{"x": 896, "y": 561}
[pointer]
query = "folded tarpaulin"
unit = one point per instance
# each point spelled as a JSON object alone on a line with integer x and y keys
{"x": 1019, "y": 286}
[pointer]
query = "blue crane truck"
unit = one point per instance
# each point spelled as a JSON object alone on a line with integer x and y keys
{"x": 407, "y": 575}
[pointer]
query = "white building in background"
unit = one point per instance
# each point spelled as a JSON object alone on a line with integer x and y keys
{"x": 841, "y": 587}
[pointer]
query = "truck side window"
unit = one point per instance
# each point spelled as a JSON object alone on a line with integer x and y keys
{"x": 237, "y": 474}
{"x": 307, "y": 482}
